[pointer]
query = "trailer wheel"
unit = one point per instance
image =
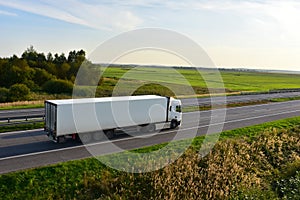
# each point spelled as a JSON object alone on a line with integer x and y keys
{"x": 61, "y": 139}
{"x": 173, "y": 124}
{"x": 85, "y": 137}
{"x": 151, "y": 128}
{"x": 110, "y": 134}
{"x": 98, "y": 136}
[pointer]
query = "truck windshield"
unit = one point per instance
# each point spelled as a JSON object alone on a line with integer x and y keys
{"x": 178, "y": 109}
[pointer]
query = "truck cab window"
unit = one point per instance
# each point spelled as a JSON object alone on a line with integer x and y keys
{"x": 178, "y": 109}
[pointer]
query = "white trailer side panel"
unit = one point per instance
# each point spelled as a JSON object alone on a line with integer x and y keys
{"x": 109, "y": 113}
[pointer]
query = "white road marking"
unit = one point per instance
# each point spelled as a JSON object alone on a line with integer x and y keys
{"x": 242, "y": 107}
{"x": 124, "y": 139}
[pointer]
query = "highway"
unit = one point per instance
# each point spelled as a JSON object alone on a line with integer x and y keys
{"x": 239, "y": 98}
{"x": 28, "y": 149}
{"x": 39, "y": 112}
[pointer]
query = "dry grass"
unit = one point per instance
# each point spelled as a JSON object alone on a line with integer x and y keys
{"x": 231, "y": 168}
{"x": 21, "y": 103}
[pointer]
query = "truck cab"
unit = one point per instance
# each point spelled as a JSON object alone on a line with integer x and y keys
{"x": 175, "y": 113}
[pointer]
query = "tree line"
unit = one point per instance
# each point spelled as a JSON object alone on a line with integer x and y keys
{"x": 37, "y": 72}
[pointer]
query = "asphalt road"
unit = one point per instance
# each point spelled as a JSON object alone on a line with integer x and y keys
{"x": 4, "y": 114}
{"x": 28, "y": 149}
{"x": 238, "y": 98}
{"x": 20, "y": 113}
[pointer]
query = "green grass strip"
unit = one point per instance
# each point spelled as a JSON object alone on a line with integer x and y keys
{"x": 20, "y": 127}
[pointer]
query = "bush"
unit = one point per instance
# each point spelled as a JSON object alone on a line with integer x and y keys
{"x": 4, "y": 92}
{"x": 41, "y": 76}
{"x": 233, "y": 169}
{"x": 288, "y": 184}
{"x": 58, "y": 86}
{"x": 18, "y": 92}
{"x": 83, "y": 91}
{"x": 289, "y": 188}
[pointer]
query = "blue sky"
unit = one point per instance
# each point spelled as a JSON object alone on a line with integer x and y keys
{"x": 235, "y": 33}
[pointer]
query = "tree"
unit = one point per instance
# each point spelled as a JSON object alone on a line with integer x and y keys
{"x": 30, "y": 54}
{"x": 88, "y": 74}
{"x": 59, "y": 59}
{"x": 34, "y": 69}
{"x": 41, "y": 76}
{"x": 41, "y": 58}
{"x": 49, "y": 57}
{"x": 63, "y": 70}
{"x": 18, "y": 92}
{"x": 4, "y": 92}
{"x": 3, "y": 70}
{"x": 80, "y": 57}
{"x": 72, "y": 56}
{"x": 51, "y": 68}
{"x": 76, "y": 56}
{"x": 58, "y": 86}
{"x": 15, "y": 72}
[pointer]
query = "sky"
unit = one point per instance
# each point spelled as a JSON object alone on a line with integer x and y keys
{"x": 261, "y": 34}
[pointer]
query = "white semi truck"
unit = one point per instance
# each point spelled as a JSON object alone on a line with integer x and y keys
{"x": 90, "y": 118}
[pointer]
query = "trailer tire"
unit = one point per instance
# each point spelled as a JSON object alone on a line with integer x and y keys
{"x": 97, "y": 136}
{"x": 173, "y": 124}
{"x": 61, "y": 139}
{"x": 151, "y": 128}
{"x": 86, "y": 137}
{"x": 110, "y": 134}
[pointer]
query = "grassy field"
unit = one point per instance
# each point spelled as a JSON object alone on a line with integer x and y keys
{"x": 22, "y": 105}
{"x": 233, "y": 80}
{"x": 170, "y": 82}
{"x": 257, "y": 162}
{"x": 37, "y": 101}
{"x": 187, "y": 82}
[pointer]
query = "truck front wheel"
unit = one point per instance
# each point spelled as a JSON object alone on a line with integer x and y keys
{"x": 173, "y": 124}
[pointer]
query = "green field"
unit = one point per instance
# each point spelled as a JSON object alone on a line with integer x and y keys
{"x": 233, "y": 80}
{"x": 179, "y": 82}
{"x": 257, "y": 162}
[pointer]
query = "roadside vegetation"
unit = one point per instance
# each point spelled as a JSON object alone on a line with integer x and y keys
{"x": 257, "y": 162}
{"x": 20, "y": 127}
{"x": 22, "y": 105}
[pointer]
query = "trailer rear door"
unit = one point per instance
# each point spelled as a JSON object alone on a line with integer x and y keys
{"x": 50, "y": 117}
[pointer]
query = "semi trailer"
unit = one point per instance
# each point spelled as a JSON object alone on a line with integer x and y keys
{"x": 91, "y": 119}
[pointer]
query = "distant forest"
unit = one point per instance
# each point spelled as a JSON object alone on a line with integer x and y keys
{"x": 37, "y": 72}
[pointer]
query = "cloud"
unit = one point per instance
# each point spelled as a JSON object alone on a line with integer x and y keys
{"x": 8, "y": 13}
{"x": 91, "y": 14}
{"x": 42, "y": 9}
{"x": 266, "y": 17}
